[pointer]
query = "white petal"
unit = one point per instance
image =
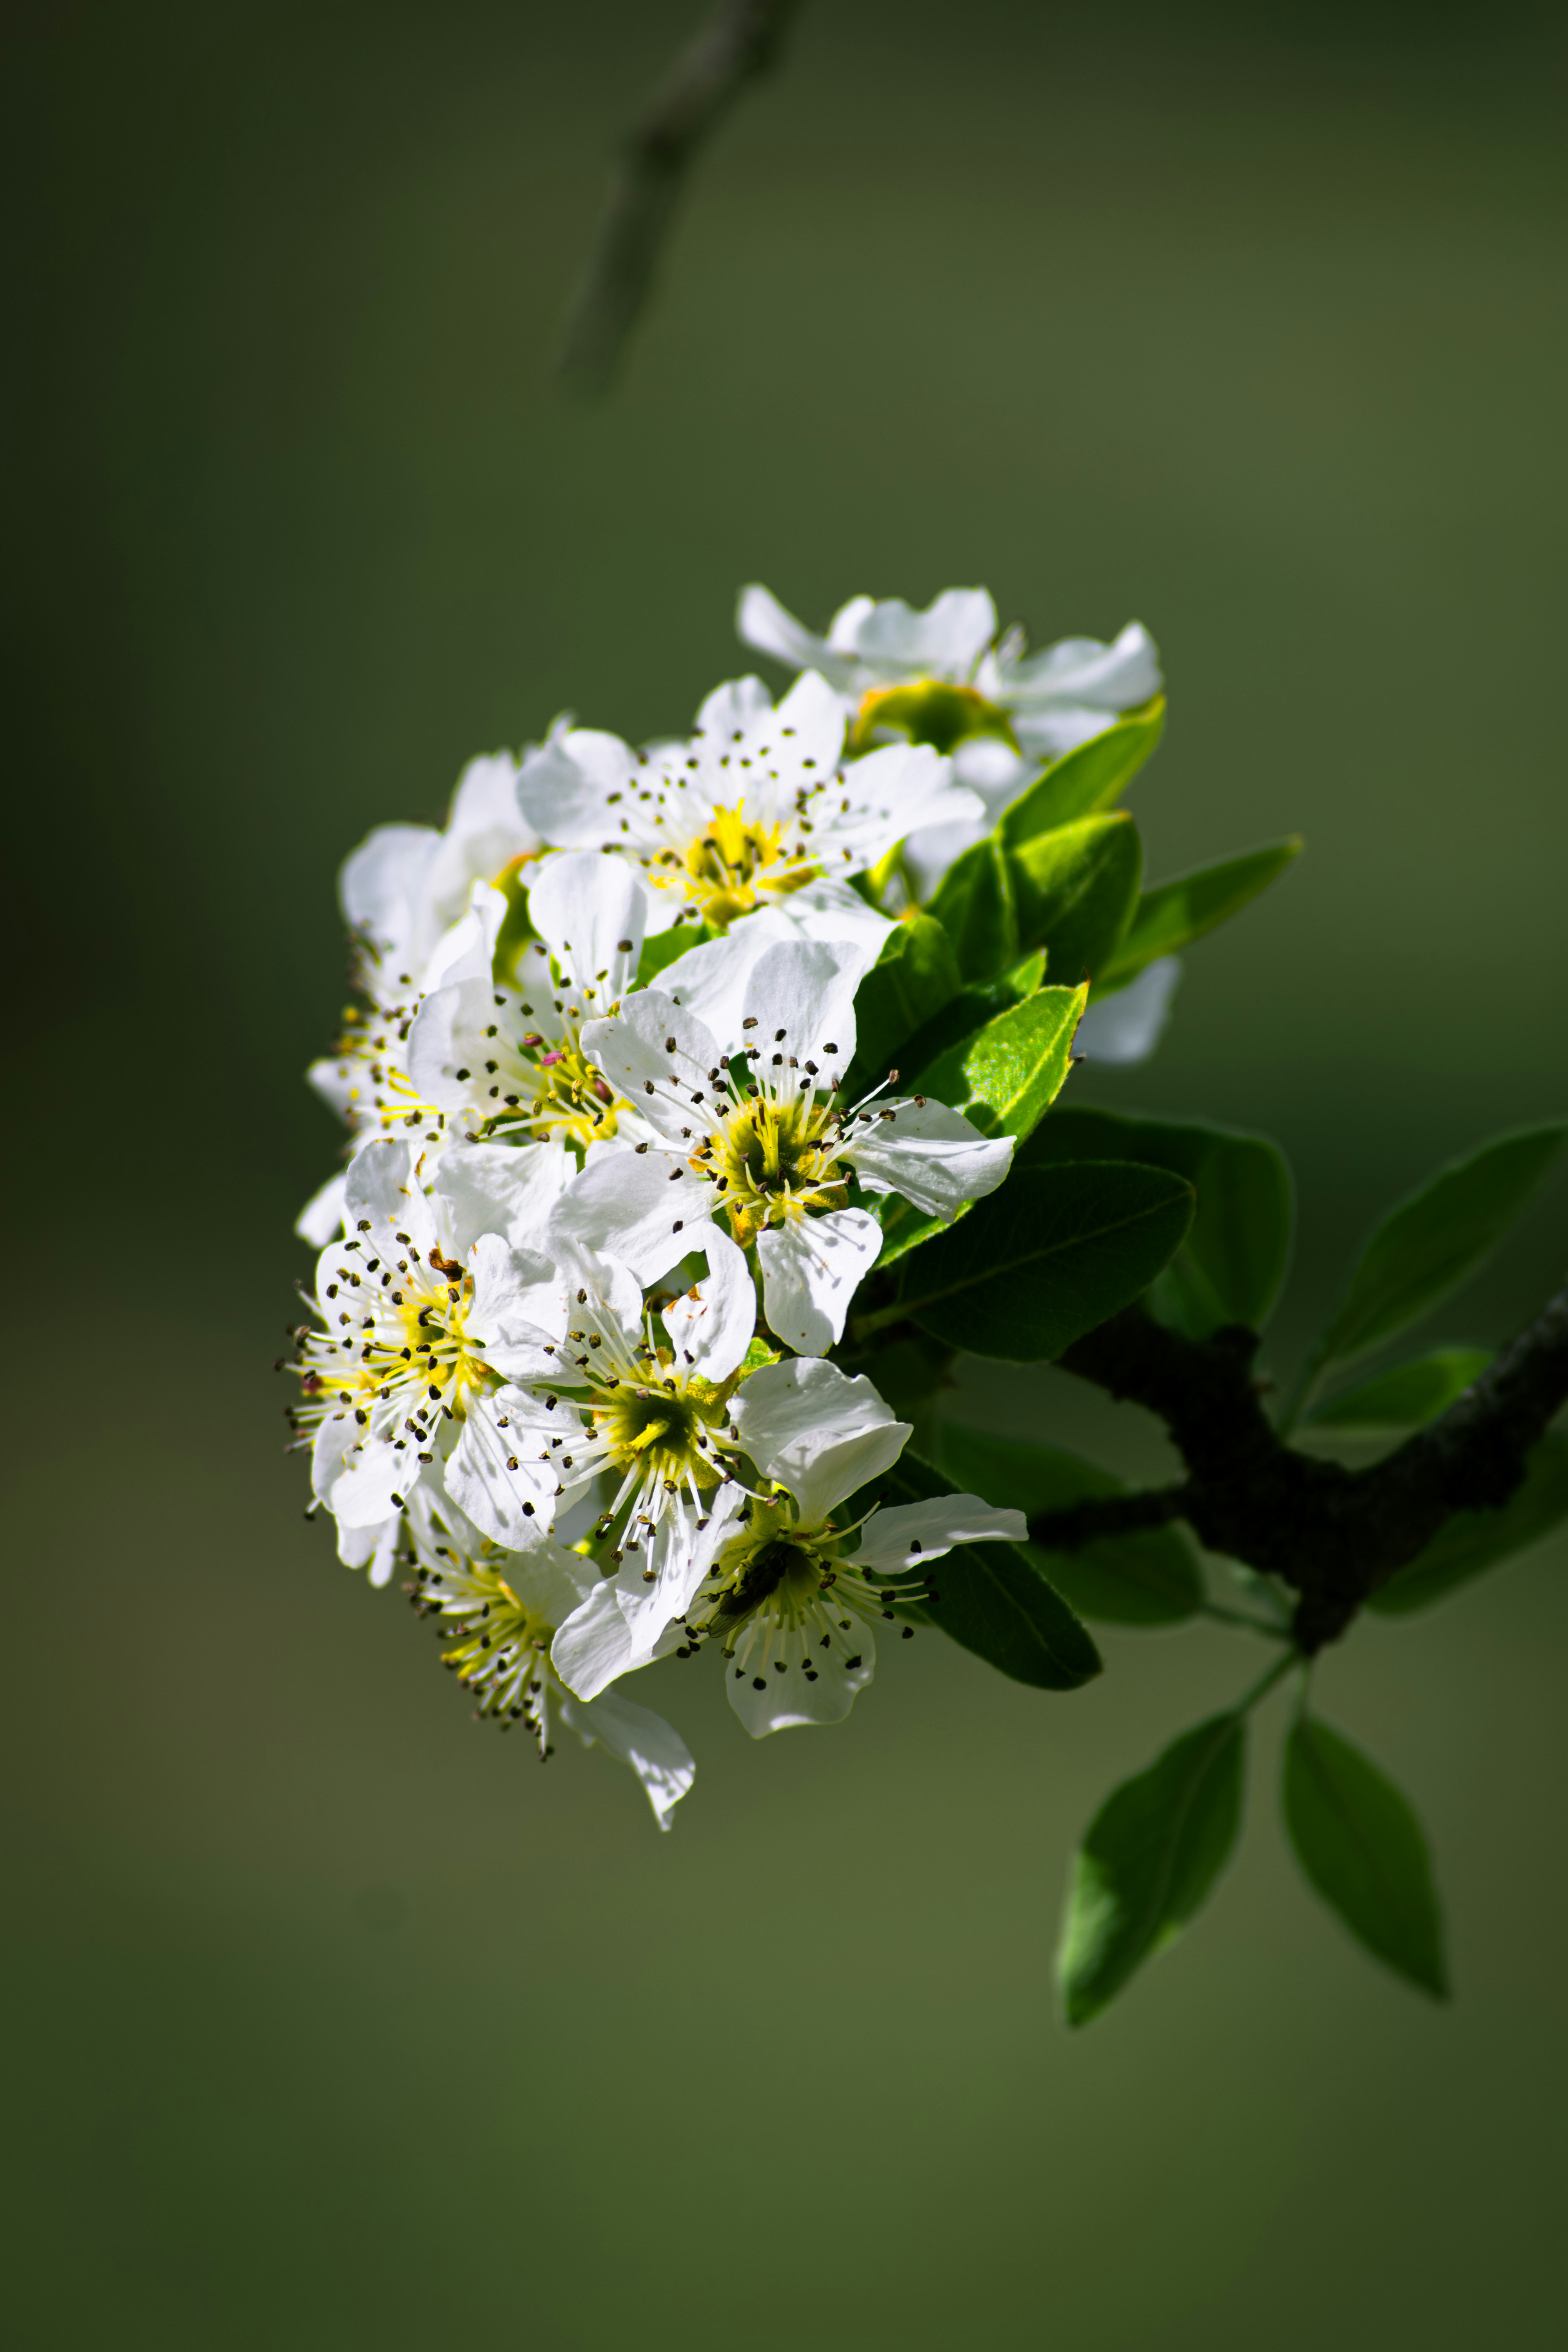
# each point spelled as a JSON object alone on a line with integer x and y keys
{"x": 794, "y": 1698}
{"x": 658, "y": 1055}
{"x": 829, "y": 910}
{"x": 549, "y": 1579}
{"x": 812, "y": 1268}
{"x": 645, "y": 1208}
{"x": 930, "y": 1153}
{"x": 896, "y": 642}
{"x": 518, "y": 1310}
{"x": 806, "y": 988}
{"x": 485, "y": 831}
{"x": 373, "y": 1476}
{"x": 710, "y": 981}
{"x": 594, "y": 1645}
{"x": 735, "y": 707}
{"x": 711, "y": 1326}
{"x": 381, "y": 1188}
{"x": 564, "y": 787}
{"x": 1127, "y": 1027}
{"x": 811, "y": 1429}
{"x": 913, "y": 1532}
{"x": 323, "y": 1215}
{"x": 465, "y": 951}
{"x": 811, "y": 718}
{"x": 383, "y": 884}
{"x": 592, "y": 911}
{"x": 761, "y": 621}
{"x": 490, "y": 1188}
{"x": 373, "y": 1548}
{"x": 481, "y": 1480}
{"x": 1111, "y": 678}
{"x": 657, "y": 1753}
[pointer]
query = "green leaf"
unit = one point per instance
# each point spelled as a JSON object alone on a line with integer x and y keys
{"x": 1148, "y": 1861}
{"x": 1086, "y": 779}
{"x": 1173, "y": 913}
{"x": 1434, "y": 1239}
{"x": 1147, "y": 1578}
{"x": 962, "y": 1018}
{"x": 1006, "y": 1077}
{"x": 915, "y": 975}
{"x": 1363, "y": 1850}
{"x": 1233, "y": 1262}
{"x": 989, "y": 1597}
{"x": 1408, "y": 1397}
{"x": 1475, "y": 1541}
{"x": 973, "y": 904}
{"x": 1045, "y": 1258}
{"x": 1073, "y": 891}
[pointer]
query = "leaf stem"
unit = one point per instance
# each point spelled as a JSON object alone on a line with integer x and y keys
{"x": 1264, "y": 1683}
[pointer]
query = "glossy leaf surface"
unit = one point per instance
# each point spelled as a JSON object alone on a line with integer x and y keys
{"x": 1149, "y": 1861}
{"x": 1085, "y": 780}
{"x": 1044, "y": 1259}
{"x": 914, "y": 978}
{"x": 974, "y": 907}
{"x": 1174, "y": 913}
{"x": 1231, "y": 1265}
{"x": 1435, "y": 1239}
{"x": 1362, "y": 1848}
{"x": 1073, "y": 891}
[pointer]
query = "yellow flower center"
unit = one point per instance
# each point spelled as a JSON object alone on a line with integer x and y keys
{"x": 655, "y": 1428}
{"x": 774, "y": 1161}
{"x": 734, "y": 865}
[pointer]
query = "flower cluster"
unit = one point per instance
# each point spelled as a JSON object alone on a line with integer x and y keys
{"x": 609, "y": 1194}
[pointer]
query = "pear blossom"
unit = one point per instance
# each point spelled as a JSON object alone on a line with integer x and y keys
{"x": 425, "y": 1325}
{"x": 408, "y": 895}
{"x": 789, "y": 1607}
{"x": 628, "y": 1400}
{"x": 752, "y": 810}
{"x": 779, "y": 1150}
{"x": 943, "y": 676}
{"x": 504, "y": 1061}
{"x": 498, "y": 1610}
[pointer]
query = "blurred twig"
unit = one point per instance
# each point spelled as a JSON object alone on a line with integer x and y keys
{"x": 740, "y": 41}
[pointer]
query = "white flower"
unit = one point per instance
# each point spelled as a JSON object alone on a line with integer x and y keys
{"x": 942, "y": 674}
{"x": 425, "y": 1326}
{"x": 409, "y": 899}
{"x": 614, "y": 1405}
{"x": 750, "y": 812}
{"x": 407, "y": 885}
{"x": 779, "y": 1153}
{"x": 504, "y": 1061}
{"x": 791, "y": 1609}
{"x": 498, "y": 1611}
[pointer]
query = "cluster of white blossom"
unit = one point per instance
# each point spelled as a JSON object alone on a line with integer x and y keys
{"x": 606, "y": 1204}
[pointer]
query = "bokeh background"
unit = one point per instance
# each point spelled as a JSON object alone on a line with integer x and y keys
{"x": 331, "y": 2020}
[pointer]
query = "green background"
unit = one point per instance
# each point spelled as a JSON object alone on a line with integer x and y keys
{"x": 331, "y": 2020}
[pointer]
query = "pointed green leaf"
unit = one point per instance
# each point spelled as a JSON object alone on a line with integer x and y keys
{"x": 963, "y": 1017}
{"x": 1408, "y": 1397}
{"x": 1363, "y": 1850}
{"x": 1434, "y": 1239}
{"x": 1475, "y": 1541}
{"x": 1231, "y": 1266}
{"x": 1085, "y": 779}
{"x": 974, "y": 907}
{"x": 1045, "y": 1258}
{"x": 989, "y": 1597}
{"x": 1149, "y": 1860}
{"x": 1147, "y": 1578}
{"x": 1173, "y": 913}
{"x": 1073, "y": 891}
{"x": 914, "y": 978}
{"x": 1006, "y": 1077}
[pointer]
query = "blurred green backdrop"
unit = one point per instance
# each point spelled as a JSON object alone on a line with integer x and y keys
{"x": 332, "y": 2020}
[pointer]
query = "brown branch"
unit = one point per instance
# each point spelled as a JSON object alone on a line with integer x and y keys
{"x": 1334, "y": 1534}
{"x": 740, "y": 40}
